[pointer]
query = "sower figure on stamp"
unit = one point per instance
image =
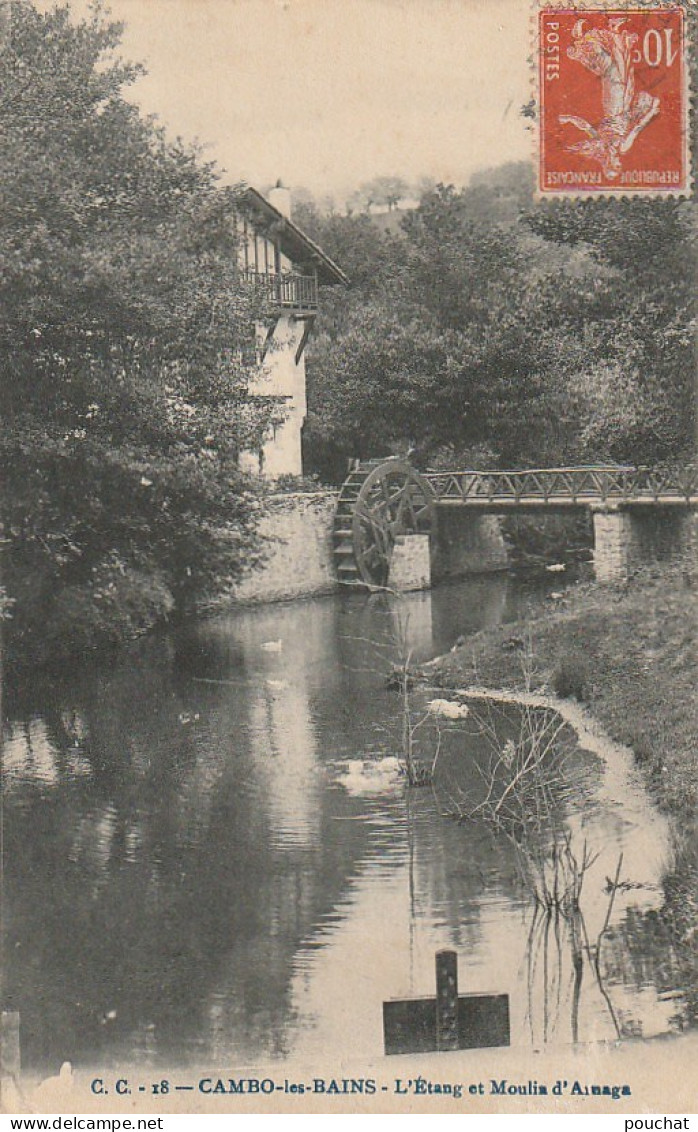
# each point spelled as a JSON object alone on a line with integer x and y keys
{"x": 609, "y": 54}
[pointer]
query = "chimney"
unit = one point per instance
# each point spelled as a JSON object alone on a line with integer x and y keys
{"x": 280, "y": 197}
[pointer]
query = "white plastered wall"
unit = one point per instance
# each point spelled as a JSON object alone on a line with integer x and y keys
{"x": 283, "y": 379}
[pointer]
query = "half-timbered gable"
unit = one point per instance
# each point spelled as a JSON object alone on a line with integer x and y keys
{"x": 277, "y": 256}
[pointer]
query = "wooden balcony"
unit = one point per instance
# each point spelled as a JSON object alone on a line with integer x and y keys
{"x": 287, "y": 290}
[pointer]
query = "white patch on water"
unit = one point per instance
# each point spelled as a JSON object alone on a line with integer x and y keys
{"x": 366, "y": 777}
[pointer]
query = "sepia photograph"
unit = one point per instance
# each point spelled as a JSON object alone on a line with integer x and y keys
{"x": 349, "y": 576}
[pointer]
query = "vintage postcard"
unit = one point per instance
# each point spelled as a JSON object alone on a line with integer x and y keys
{"x": 349, "y": 529}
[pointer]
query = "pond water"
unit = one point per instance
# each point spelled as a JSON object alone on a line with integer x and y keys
{"x": 210, "y": 859}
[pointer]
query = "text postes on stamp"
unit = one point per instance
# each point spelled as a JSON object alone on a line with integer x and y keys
{"x": 613, "y": 101}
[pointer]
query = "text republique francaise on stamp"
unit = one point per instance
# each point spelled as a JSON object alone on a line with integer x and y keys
{"x": 613, "y": 99}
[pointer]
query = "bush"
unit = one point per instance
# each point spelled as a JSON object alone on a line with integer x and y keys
{"x": 117, "y": 604}
{"x": 643, "y": 751}
{"x": 288, "y": 484}
{"x": 572, "y": 678}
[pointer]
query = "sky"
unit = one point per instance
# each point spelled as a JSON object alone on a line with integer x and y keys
{"x": 326, "y": 94}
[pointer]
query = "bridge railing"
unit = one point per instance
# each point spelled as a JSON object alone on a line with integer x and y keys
{"x": 596, "y": 483}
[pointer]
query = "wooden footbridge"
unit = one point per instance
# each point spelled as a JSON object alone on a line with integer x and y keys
{"x": 382, "y": 500}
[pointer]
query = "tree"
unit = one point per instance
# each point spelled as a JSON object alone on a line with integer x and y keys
{"x": 449, "y": 346}
{"x": 640, "y": 385}
{"x": 542, "y": 334}
{"x": 386, "y": 191}
{"x": 377, "y": 378}
{"x": 123, "y": 394}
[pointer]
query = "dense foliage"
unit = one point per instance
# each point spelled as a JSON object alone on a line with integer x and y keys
{"x": 124, "y": 400}
{"x": 497, "y": 329}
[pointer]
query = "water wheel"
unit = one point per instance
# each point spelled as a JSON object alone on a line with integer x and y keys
{"x": 379, "y": 501}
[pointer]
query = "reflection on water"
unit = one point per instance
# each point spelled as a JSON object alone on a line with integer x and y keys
{"x": 200, "y": 867}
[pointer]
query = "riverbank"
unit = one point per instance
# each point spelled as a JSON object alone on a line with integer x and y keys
{"x": 629, "y": 654}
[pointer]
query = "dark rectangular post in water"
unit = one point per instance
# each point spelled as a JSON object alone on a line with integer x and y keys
{"x": 9, "y": 1044}
{"x": 446, "y": 1000}
{"x": 449, "y": 1021}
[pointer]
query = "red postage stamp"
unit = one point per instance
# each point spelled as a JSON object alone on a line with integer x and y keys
{"x": 613, "y": 100}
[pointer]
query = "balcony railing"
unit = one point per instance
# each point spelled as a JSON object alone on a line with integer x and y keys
{"x": 298, "y": 292}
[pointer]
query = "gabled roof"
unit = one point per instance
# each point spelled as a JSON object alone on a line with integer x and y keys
{"x": 294, "y": 243}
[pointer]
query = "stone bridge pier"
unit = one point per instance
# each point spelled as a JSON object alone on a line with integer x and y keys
{"x": 386, "y": 507}
{"x": 628, "y": 537}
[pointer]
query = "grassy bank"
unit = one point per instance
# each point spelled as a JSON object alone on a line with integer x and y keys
{"x": 629, "y": 652}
